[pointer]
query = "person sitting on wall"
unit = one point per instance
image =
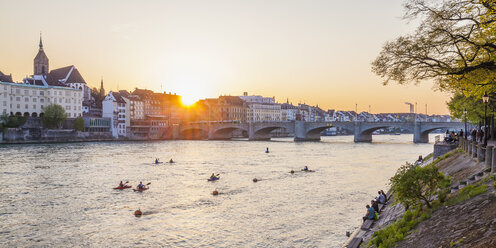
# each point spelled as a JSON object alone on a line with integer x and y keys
{"x": 370, "y": 215}
{"x": 381, "y": 198}
{"x": 375, "y": 205}
{"x": 419, "y": 161}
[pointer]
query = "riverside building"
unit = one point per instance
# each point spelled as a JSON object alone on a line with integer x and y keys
{"x": 29, "y": 100}
{"x": 261, "y": 109}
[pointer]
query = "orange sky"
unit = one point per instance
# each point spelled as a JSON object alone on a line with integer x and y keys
{"x": 314, "y": 52}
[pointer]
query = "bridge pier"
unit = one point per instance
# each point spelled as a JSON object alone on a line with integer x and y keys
{"x": 254, "y": 135}
{"x": 418, "y": 135}
{"x": 301, "y": 133}
{"x": 360, "y": 135}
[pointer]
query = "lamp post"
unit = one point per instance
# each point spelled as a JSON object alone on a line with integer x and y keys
{"x": 485, "y": 99}
{"x": 465, "y": 114}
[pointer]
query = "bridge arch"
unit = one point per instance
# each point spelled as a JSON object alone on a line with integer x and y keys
{"x": 263, "y": 133}
{"x": 364, "y": 130}
{"x": 224, "y": 133}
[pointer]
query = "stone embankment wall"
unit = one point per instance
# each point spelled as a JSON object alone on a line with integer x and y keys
{"x": 39, "y": 135}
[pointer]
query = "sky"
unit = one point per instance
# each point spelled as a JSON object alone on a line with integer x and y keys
{"x": 317, "y": 52}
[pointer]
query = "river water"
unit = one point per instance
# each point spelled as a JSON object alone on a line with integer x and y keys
{"x": 61, "y": 195}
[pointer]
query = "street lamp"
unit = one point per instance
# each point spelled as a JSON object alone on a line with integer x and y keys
{"x": 465, "y": 114}
{"x": 485, "y": 99}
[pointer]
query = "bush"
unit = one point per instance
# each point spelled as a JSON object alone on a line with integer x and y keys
{"x": 466, "y": 193}
{"x": 54, "y": 116}
{"x": 12, "y": 121}
{"x": 79, "y": 124}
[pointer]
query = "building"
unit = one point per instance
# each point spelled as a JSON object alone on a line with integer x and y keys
{"x": 29, "y": 100}
{"x": 288, "y": 112}
{"x": 68, "y": 76}
{"x": 114, "y": 107}
{"x": 261, "y": 109}
{"x": 5, "y": 78}
{"x": 232, "y": 108}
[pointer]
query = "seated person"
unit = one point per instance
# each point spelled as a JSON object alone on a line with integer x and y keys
{"x": 121, "y": 185}
{"x": 375, "y": 205}
{"x": 370, "y": 215}
{"x": 213, "y": 175}
{"x": 140, "y": 186}
{"x": 381, "y": 198}
{"x": 306, "y": 168}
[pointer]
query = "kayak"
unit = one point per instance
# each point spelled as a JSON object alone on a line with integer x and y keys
{"x": 307, "y": 170}
{"x": 123, "y": 187}
{"x": 140, "y": 190}
{"x": 158, "y": 162}
{"x": 213, "y": 178}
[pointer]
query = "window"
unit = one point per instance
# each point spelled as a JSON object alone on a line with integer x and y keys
{"x": 4, "y": 103}
{"x": 26, "y": 99}
{"x": 60, "y": 100}
{"x": 26, "y": 92}
{"x": 18, "y": 91}
{"x": 26, "y": 106}
{"x": 42, "y": 100}
{"x": 60, "y": 93}
{"x": 18, "y": 106}
{"x": 34, "y": 100}
{"x": 34, "y": 106}
{"x": 18, "y": 99}
{"x": 43, "y": 93}
{"x": 68, "y": 108}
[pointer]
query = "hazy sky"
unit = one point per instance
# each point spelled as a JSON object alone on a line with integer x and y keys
{"x": 317, "y": 52}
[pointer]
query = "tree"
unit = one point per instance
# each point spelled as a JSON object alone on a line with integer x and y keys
{"x": 98, "y": 95}
{"x": 79, "y": 124}
{"x": 413, "y": 185}
{"x": 454, "y": 45}
{"x": 54, "y": 116}
{"x": 12, "y": 121}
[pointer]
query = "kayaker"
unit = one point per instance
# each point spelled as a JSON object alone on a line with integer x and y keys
{"x": 171, "y": 161}
{"x": 156, "y": 160}
{"x": 306, "y": 168}
{"x": 121, "y": 185}
{"x": 140, "y": 185}
{"x": 213, "y": 176}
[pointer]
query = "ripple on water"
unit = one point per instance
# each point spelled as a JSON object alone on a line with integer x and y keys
{"x": 70, "y": 202}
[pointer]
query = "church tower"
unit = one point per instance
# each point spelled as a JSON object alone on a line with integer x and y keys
{"x": 102, "y": 90}
{"x": 41, "y": 61}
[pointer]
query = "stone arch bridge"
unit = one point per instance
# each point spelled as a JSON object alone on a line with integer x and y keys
{"x": 305, "y": 131}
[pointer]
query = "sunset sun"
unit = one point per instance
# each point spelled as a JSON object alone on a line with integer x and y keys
{"x": 188, "y": 100}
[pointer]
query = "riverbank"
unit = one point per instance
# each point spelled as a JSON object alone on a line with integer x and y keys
{"x": 466, "y": 219}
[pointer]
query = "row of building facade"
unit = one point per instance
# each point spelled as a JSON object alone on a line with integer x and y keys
{"x": 143, "y": 113}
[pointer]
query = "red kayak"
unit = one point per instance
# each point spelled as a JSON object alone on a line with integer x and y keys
{"x": 140, "y": 190}
{"x": 123, "y": 187}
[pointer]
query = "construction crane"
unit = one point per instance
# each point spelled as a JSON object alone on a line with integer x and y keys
{"x": 412, "y": 107}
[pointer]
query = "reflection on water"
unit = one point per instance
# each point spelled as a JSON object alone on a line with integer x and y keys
{"x": 61, "y": 194}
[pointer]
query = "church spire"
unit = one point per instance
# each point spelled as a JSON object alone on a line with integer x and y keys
{"x": 41, "y": 43}
{"x": 102, "y": 90}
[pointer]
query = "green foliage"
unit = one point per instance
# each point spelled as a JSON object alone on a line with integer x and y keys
{"x": 414, "y": 185}
{"x": 472, "y": 103}
{"x": 98, "y": 95}
{"x": 53, "y": 116}
{"x": 466, "y": 193}
{"x": 8, "y": 121}
{"x": 397, "y": 231}
{"x": 453, "y": 243}
{"x": 79, "y": 124}
{"x": 428, "y": 156}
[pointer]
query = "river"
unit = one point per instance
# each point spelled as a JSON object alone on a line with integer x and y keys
{"x": 60, "y": 195}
